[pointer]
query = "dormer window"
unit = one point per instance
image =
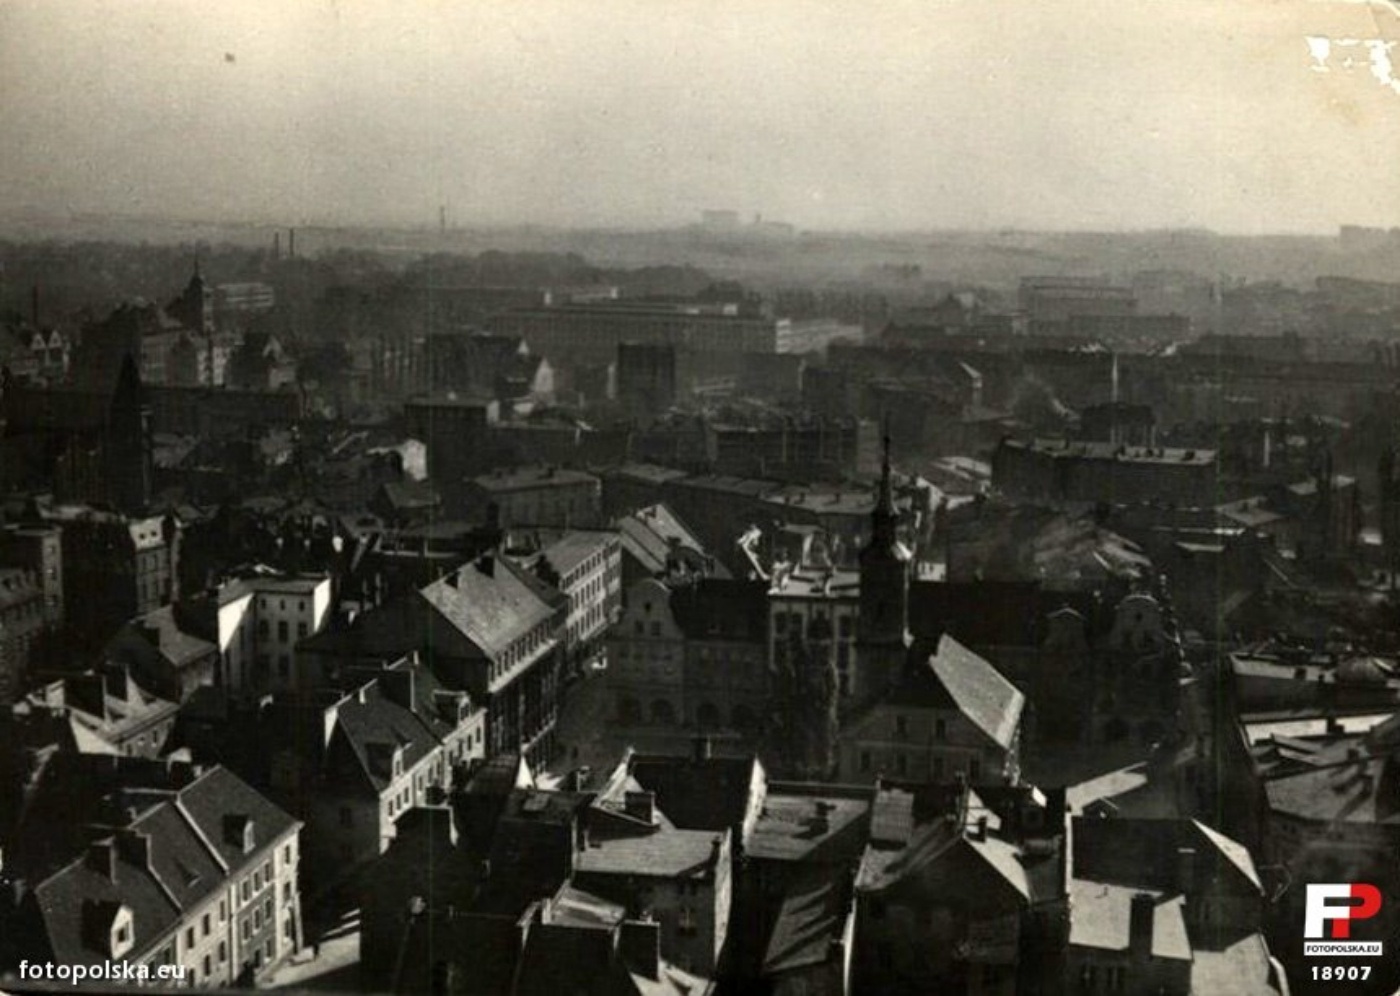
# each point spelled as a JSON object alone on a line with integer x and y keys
{"x": 123, "y": 936}
{"x": 239, "y": 832}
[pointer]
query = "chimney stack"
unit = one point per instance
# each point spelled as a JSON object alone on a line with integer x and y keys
{"x": 102, "y": 858}
{"x": 34, "y": 305}
{"x": 640, "y": 806}
{"x": 1140, "y": 925}
{"x": 291, "y": 243}
{"x": 277, "y": 245}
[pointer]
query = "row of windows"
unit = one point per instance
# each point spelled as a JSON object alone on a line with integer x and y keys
{"x": 940, "y": 766}
{"x": 520, "y": 650}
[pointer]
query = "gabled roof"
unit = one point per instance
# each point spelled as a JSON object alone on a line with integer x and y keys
{"x": 175, "y": 814}
{"x": 491, "y": 602}
{"x": 373, "y": 727}
{"x": 810, "y": 922}
{"x": 956, "y": 678}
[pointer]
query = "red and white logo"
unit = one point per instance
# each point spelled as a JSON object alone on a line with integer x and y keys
{"x": 1339, "y": 904}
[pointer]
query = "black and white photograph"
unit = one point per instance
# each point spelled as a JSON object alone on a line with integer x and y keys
{"x": 700, "y": 497}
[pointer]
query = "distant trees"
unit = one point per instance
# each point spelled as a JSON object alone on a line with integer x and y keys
{"x": 803, "y": 722}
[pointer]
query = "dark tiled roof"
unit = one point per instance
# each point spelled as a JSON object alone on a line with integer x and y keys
{"x": 810, "y": 922}
{"x": 179, "y": 823}
{"x": 710, "y": 794}
{"x": 372, "y": 726}
{"x": 491, "y": 602}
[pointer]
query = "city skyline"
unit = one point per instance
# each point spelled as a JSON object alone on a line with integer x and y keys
{"x": 1232, "y": 117}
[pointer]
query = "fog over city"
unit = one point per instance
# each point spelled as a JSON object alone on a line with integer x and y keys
{"x": 628, "y": 113}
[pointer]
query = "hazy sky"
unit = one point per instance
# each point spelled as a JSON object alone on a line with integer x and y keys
{"x": 930, "y": 113}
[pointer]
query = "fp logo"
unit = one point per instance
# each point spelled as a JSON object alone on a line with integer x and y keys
{"x": 1341, "y": 904}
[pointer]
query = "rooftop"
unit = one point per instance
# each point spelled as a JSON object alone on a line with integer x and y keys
{"x": 1077, "y": 449}
{"x": 532, "y": 477}
{"x": 663, "y": 853}
{"x": 1102, "y": 915}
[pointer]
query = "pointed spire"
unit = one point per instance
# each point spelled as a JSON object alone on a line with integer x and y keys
{"x": 886, "y": 500}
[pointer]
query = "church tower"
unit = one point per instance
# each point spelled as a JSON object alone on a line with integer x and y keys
{"x": 882, "y": 636}
{"x": 194, "y": 308}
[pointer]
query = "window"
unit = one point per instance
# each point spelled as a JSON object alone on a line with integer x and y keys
{"x": 303, "y": 629}
{"x": 247, "y": 889}
{"x": 245, "y": 930}
{"x": 901, "y": 727}
{"x": 287, "y": 854}
{"x": 283, "y": 631}
{"x": 223, "y": 951}
{"x": 206, "y": 925}
{"x": 940, "y": 729}
{"x": 223, "y": 910}
{"x": 865, "y": 760}
{"x": 267, "y": 870}
{"x": 189, "y": 937}
{"x": 257, "y": 919}
{"x": 257, "y": 879}
{"x": 267, "y": 910}
{"x": 208, "y": 966}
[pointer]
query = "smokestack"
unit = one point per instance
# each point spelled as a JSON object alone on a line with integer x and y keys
{"x": 1140, "y": 925}
{"x": 34, "y": 305}
{"x": 291, "y": 243}
{"x": 276, "y": 245}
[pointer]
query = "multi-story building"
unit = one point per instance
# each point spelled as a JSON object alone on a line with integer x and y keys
{"x": 455, "y": 434}
{"x": 690, "y": 655}
{"x": 166, "y": 651}
{"x": 531, "y": 496}
{"x": 489, "y": 628}
{"x": 586, "y": 567}
{"x": 256, "y": 622}
{"x": 961, "y": 889}
{"x": 1053, "y": 471}
{"x": 953, "y": 713}
{"x": 1165, "y": 906}
{"x": 115, "y": 567}
{"x": 817, "y": 613}
{"x": 37, "y": 548}
{"x": 155, "y": 864}
{"x": 88, "y": 440}
{"x": 22, "y": 619}
{"x": 354, "y": 762}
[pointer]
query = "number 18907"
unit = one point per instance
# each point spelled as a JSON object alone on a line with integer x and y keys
{"x": 1341, "y": 973}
